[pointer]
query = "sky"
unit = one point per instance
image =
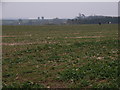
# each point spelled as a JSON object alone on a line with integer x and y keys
{"x": 59, "y": 0}
{"x": 16, "y": 10}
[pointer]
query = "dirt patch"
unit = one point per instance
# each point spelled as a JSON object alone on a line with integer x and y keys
{"x": 54, "y": 84}
{"x": 97, "y": 32}
{"x": 86, "y": 37}
{"x": 12, "y": 44}
{"x": 27, "y": 43}
{"x": 75, "y": 33}
{"x": 7, "y": 36}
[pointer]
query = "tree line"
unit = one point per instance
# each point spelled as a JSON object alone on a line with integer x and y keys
{"x": 93, "y": 20}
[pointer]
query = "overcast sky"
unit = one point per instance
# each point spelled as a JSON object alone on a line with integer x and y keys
{"x": 58, "y": 9}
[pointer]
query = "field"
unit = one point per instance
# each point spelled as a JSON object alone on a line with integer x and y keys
{"x": 67, "y": 56}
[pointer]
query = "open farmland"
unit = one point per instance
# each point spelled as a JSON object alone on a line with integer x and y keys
{"x": 68, "y": 56}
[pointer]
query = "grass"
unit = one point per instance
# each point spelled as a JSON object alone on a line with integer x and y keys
{"x": 75, "y": 56}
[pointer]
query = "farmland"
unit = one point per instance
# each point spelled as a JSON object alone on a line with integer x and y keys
{"x": 60, "y": 56}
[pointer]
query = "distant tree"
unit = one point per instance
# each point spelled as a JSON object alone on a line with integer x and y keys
{"x": 42, "y": 17}
{"x": 38, "y": 18}
{"x": 20, "y": 21}
{"x": 99, "y": 23}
